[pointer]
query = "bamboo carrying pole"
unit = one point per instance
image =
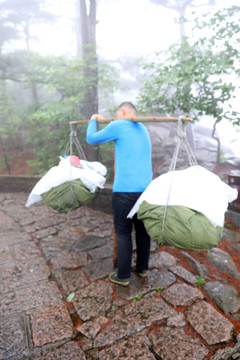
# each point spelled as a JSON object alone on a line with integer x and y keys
{"x": 133, "y": 119}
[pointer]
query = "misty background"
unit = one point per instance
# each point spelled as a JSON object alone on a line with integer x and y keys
{"x": 61, "y": 61}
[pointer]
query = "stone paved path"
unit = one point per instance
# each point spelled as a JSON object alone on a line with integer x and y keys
{"x": 57, "y": 303}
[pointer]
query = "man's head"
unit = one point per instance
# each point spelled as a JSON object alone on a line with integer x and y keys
{"x": 126, "y": 109}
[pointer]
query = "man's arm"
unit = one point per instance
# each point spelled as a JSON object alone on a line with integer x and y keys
{"x": 97, "y": 117}
{"x": 98, "y": 137}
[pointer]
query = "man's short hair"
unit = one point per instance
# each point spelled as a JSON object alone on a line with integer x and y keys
{"x": 128, "y": 106}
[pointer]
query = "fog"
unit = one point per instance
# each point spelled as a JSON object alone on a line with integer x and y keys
{"x": 125, "y": 29}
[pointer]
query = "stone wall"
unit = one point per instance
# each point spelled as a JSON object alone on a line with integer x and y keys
{"x": 11, "y": 183}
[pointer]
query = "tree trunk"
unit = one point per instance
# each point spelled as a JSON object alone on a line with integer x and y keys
{"x": 5, "y": 156}
{"x": 3, "y": 143}
{"x": 33, "y": 86}
{"x": 89, "y": 54}
{"x": 77, "y": 25}
{"x": 182, "y": 13}
{"x": 88, "y": 32}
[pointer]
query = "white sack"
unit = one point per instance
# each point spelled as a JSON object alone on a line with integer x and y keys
{"x": 91, "y": 174}
{"x": 95, "y": 166}
{"x": 195, "y": 188}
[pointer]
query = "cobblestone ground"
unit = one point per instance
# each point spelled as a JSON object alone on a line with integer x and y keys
{"x": 56, "y": 301}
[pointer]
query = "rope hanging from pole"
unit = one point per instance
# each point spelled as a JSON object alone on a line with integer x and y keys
{"x": 182, "y": 139}
{"x": 73, "y": 140}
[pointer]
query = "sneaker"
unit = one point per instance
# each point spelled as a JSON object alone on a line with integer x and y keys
{"x": 115, "y": 279}
{"x": 143, "y": 273}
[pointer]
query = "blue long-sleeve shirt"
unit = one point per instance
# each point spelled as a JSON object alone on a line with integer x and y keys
{"x": 133, "y": 164}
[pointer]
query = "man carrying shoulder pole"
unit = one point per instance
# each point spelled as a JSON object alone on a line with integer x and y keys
{"x": 133, "y": 173}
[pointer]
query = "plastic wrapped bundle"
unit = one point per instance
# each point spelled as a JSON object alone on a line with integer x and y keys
{"x": 66, "y": 187}
{"x": 68, "y": 196}
{"x": 183, "y": 228}
{"x": 195, "y": 200}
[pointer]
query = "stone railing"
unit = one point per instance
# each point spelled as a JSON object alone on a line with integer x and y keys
{"x": 11, "y": 183}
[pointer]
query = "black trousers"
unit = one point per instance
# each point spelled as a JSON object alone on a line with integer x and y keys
{"x": 122, "y": 203}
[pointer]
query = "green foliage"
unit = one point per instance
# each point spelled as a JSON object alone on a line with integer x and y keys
{"x": 43, "y": 120}
{"x": 48, "y": 135}
{"x": 9, "y": 128}
{"x": 39, "y": 96}
{"x": 70, "y": 297}
{"x": 137, "y": 298}
{"x": 200, "y": 281}
{"x": 195, "y": 76}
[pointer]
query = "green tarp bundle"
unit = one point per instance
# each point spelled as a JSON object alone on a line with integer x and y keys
{"x": 184, "y": 228}
{"x": 68, "y": 196}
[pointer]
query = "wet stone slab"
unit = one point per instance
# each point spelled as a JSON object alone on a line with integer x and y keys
{"x": 172, "y": 344}
{"x": 226, "y": 297}
{"x": 228, "y": 352}
{"x": 103, "y": 251}
{"x": 234, "y": 248}
{"x": 231, "y": 236}
{"x": 49, "y": 221}
{"x": 176, "y": 321}
{"x": 14, "y": 238}
{"x": 54, "y": 245}
{"x": 156, "y": 278}
{"x": 42, "y": 294}
{"x": 76, "y": 231}
{"x": 70, "y": 280}
{"x": 91, "y": 328}
{"x": 15, "y": 210}
{"x": 23, "y": 252}
{"x": 68, "y": 351}
{"x": 113, "y": 325}
{"x": 199, "y": 268}
{"x": 5, "y": 255}
{"x": 223, "y": 261}
{"x": 8, "y": 304}
{"x": 89, "y": 242}
{"x": 73, "y": 233}
{"x": 87, "y": 215}
{"x": 98, "y": 269}
{"x": 105, "y": 233}
{"x": 162, "y": 260}
{"x": 94, "y": 300}
{"x": 184, "y": 274}
{"x": 135, "y": 348}
{"x": 7, "y": 223}
{"x": 31, "y": 218}
{"x": 181, "y": 294}
{"x": 13, "y": 338}
{"x": 69, "y": 259}
{"x": 133, "y": 318}
{"x": 43, "y": 224}
{"x": 209, "y": 323}
{"x": 41, "y": 234}
{"x": 23, "y": 273}
{"x": 50, "y": 325}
